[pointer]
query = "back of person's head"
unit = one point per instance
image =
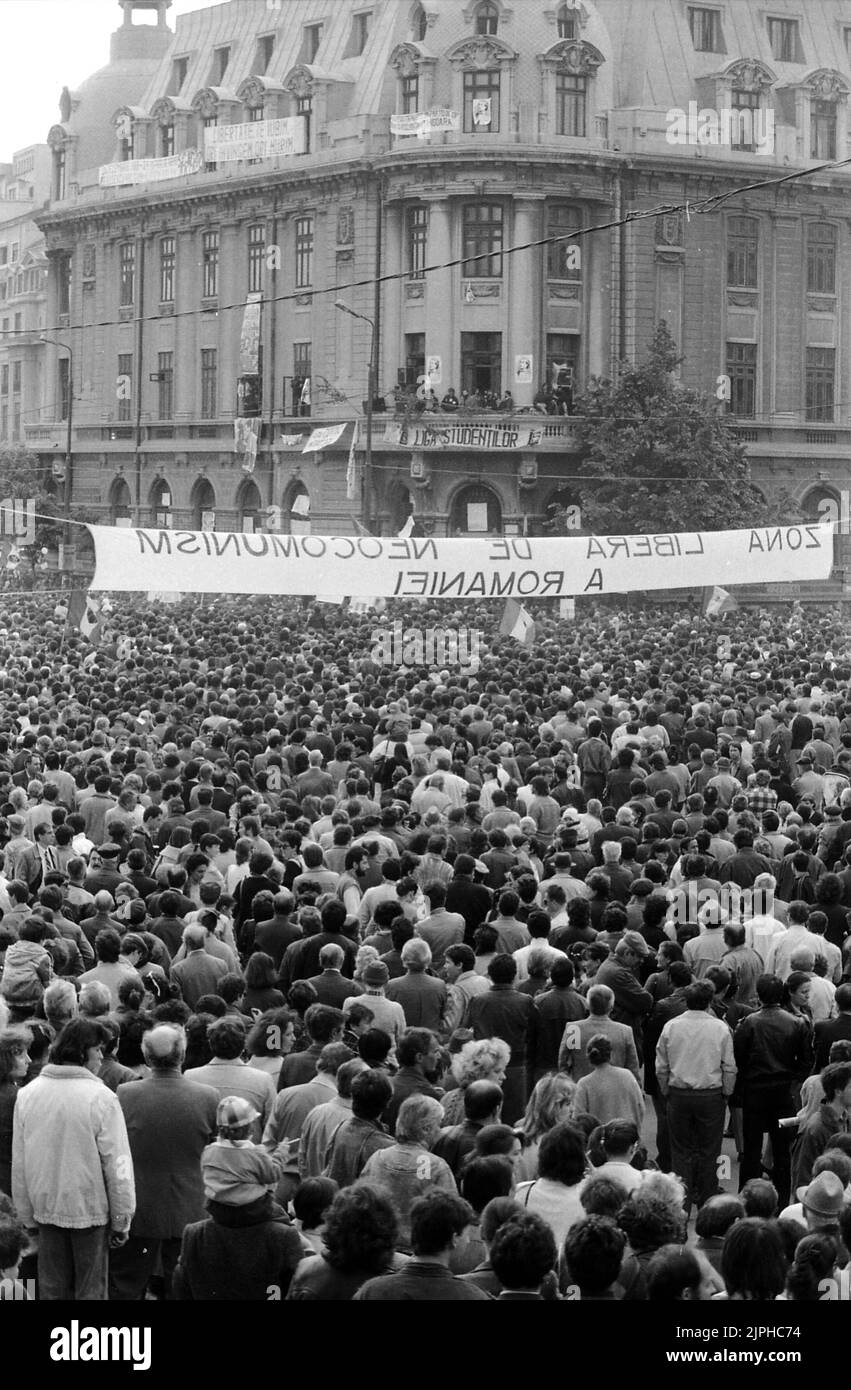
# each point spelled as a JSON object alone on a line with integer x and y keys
{"x": 593, "y": 1252}
{"x": 312, "y": 1201}
{"x": 759, "y": 1198}
{"x": 769, "y": 990}
{"x": 717, "y": 1215}
{"x": 371, "y": 1093}
{"x": 437, "y": 1220}
{"x": 71, "y": 1048}
{"x": 484, "y": 1178}
{"x": 601, "y": 1000}
{"x": 674, "y": 1273}
{"x": 322, "y": 1022}
{"x": 361, "y": 1230}
{"x": 753, "y": 1261}
{"x": 413, "y": 1044}
{"x": 561, "y": 1156}
{"x": 523, "y": 1252}
{"x": 814, "y": 1262}
{"x": 602, "y": 1195}
{"x": 481, "y": 1100}
{"x": 164, "y": 1048}
{"x": 227, "y": 1037}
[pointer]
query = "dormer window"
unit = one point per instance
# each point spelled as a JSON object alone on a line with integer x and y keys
{"x": 179, "y": 69}
{"x": 221, "y": 59}
{"x": 566, "y": 22}
{"x": 420, "y": 24}
{"x": 59, "y": 173}
{"x": 310, "y": 44}
{"x": 487, "y": 18}
{"x": 167, "y": 140}
{"x": 823, "y": 130}
{"x": 265, "y": 49}
{"x": 360, "y": 34}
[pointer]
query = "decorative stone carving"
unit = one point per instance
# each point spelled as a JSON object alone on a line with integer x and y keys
{"x": 669, "y": 229}
{"x": 750, "y": 75}
{"x": 483, "y": 289}
{"x": 575, "y": 56}
{"x": 205, "y": 103}
{"x": 742, "y": 299}
{"x": 345, "y": 226}
{"x": 827, "y": 85}
{"x": 415, "y": 290}
{"x": 567, "y": 290}
{"x": 405, "y": 58}
{"x": 300, "y": 82}
{"x": 481, "y": 52}
{"x": 89, "y": 261}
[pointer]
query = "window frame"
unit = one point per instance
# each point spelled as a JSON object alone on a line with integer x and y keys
{"x": 471, "y": 218}
{"x": 168, "y": 265}
{"x": 210, "y": 247}
{"x": 573, "y": 99}
{"x": 486, "y": 19}
{"x": 416, "y": 240}
{"x": 559, "y": 226}
{"x": 743, "y": 378}
{"x": 821, "y": 112}
{"x": 125, "y": 403}
{"x": 820, "y": 391}
{"x": 478, "y": 84}
{"x": 165, "y": 385}
{"x": 706, "y": 12}
{"x": 790, "y": 29}
{"x": 821, "y": 263}
{"x": 566, "y": 15}
{"x": 304, "y": 234}
{"x": 747, "y": 256}
{"x": 127, "y": 274}
{"x": 209, "y": 379}
{"x": 256, "y": 256}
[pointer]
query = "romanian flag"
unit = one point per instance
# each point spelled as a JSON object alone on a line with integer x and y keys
{"x": 717, "y": 601}
{"x": 84, "y": 614}
{"x": 518, "y": 623}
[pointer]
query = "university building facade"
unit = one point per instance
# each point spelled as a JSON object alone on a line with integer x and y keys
{"x": 284, "y": 189}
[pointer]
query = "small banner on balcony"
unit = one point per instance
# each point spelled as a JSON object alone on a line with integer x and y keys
{"x": 172, "y": 166}
{"x": 479, "y": 435}
{"x": 492, "y": 567}
{"x": 225, "y": 144}
{"x": 249, "y": 338}
{"x": 425, "y": 123}
{"x": 324, "y": 437}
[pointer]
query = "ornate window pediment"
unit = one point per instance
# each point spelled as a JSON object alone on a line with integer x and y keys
{"x": 481, "y": 52}
{"x": 301, "y": 81}
{"x": 407, "y": 58}
{"x": 255, "y": 89}
{"x": 749, "y": 75}
{"x": 59, "y": 135}
{"x": 209, "y": 99}
{"x": 825, "y": 84}
{"x": 574, "y": 56}
{"x": 165, "y": 109}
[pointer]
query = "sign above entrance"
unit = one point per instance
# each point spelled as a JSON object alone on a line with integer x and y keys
{"x": 501, "y": 435}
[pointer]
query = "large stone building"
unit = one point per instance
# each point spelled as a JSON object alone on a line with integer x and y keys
{"x": 24, "y": 186}
{"x": 535, "y": 119}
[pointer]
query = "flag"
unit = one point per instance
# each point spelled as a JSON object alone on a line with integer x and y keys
{"x": 406, "y": 529}
{"x": 351, "y": 467}
{"x": 304, "y": 398}
{"x": 83, "y": 613}
{"x": 518, "y": 623}
{"x": 717, "y": 601}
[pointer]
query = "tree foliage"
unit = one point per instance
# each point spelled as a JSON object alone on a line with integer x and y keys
{"x": 658, "y": 456}
{"x": 22, "y": 475}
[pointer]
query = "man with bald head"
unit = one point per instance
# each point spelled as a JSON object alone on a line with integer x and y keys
{"x": 170, "y": 1120}
{"x": 199, "y": 972}
{"x": 332, "y": 987}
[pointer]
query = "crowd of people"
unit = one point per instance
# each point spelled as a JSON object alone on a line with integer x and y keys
{"x": 324, "y": 979}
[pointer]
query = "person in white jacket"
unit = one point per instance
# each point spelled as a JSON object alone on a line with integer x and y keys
{"x": 72, "y": 1171}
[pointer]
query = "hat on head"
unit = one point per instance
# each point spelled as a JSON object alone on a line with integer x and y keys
{"x": 234, "y": 1111}
{"x": 635, "y": 941}
{"x": 562, "y": 860}
{"x": 824, "y": 1196}
{"x": 376, "y": 973}
{"x": 723, "y": 762}
{"x": 109, "y": 850}
{"x": 805, "y": 760}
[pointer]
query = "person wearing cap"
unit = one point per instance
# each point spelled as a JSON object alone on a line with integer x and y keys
{"x": 696, "y": 1072}
{"x": 103, "y": 874}
{"x": 824, "y": 1200}
{"x": 247, "y": 1247}
{"x": 831, "y": 1118}
{"x": 809, "y": 782}
{"x": 170, "y": 1119}
{"x": 620, "y": 973}
{"x": 724, "y": 783}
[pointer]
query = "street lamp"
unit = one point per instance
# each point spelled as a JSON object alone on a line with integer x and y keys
{"x": 43, "y": 338}
{"x": 370, "y": 393}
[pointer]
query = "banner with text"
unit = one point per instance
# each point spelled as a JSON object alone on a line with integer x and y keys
{"x": 255, "y": 140}
{"x": 171, "y": 166}
{"x": 479, "y": 435}
{"x": 425, "y": 123}
{"x": 496, "y": 567}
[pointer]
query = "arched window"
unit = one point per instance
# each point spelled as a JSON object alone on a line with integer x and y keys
{"x": 420, "y": 24}
{"x": 476, "y": 511}
{"x": 120, "y": 503}
{"x": 296, "y": 510}
{"x": 203, "y": 503}
{"x": 566, "y": 22}
{"x": 159, "y": 501}
{"x": 487, "y": 18}
{"x": 250, "y": 507}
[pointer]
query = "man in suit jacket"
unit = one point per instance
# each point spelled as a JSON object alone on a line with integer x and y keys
{"x": 423, "y": 998}
{"x": 39, "y": 858}
{"x": 170, "y": 1120}
{"x": 505, "y": 1013}
{"x": 833, "y": 1029}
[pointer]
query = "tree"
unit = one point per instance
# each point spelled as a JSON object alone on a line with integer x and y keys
{"x": 24, "y": 477}
{"x": 659, "y": 456}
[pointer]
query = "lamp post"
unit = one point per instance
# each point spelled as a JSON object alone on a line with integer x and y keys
{"x": 370, "y": 393}
{"x": 66, "y": 505}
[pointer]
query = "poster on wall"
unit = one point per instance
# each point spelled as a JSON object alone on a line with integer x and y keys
{"x": 434, "y": 371}
{"x": 477, "y": 516}
{"x": 523, "y": 370}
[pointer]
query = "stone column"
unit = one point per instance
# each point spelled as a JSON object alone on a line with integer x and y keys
{"x": 523, "y": 272}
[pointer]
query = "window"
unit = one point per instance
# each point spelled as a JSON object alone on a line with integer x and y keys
{"x": 821, "y": 258}
{"x": 303, "y": 252}
{"x": 416, "y": 228}
{"x": 410, "y": 92}
{"x": 741, "y": 369}
{"x": 127, "y": 145}
{"x": 64, "y": 383}
{"x": 19, "y": 323}
{"x": 302, "y": 372}
{"x": 705, "y": 28}
{"x": 256, "y": 257}
{"x": 571, "y": 104}
{"x": 311, "y": 42}
{"x": 742, "y": 252}
{"x": 165, "y": 385}
{"x": 210, "y": 264}
{"x": 420, "y": 26}
{"x": 4, "y": 255}
{"x": 481, "y": 362}
{"x": 566, "y": 23}
{"x": 59, "y": 170}
{"x": 127, "y": 274}
{"x": 4, "y": 379}
{"x": 167, "y": 260}
{"x": 743, "y": 125}
{"x": 846, "y": 36}
{"x": 16, "y": 378}
{"x": 166, "y": 140}
{"x": 823, "y": 130}
{"x": 360, "y": 34}
{"x": 562, "y": 360}
{"x": 482, "y": 236}
{"x": 124, "y": 386}
{"x": 63, "y": 284}
{"x": 253, "y": 113}
{"x": 221, "y": 59}
{"x": 179, "y": 68}
{"x": 562, "y": 259}
{"x": 210, "y": 123}
{"x": 478, "y": 87}
{"x": 414, "y": 358}
{"x": 821, "y": 364}
{"x": 15, "y": 253}
{"x": 487, "y": 18}
{"x": 785, "y": 40}
{"x": 304, "y": 107}
{"x": 263, "y": 57}
{"x": 209, "y": 384}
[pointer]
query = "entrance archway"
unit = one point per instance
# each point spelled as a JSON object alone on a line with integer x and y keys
{"x": 120, "y": 503}
{"x": 823, "y": 504}
{"x": 250, "y": 506}
{"x": 203, "y": 503}
{"x": 295, "y": 517}
{"x": 476, "y": 511}
{"x": 159, "y": 501}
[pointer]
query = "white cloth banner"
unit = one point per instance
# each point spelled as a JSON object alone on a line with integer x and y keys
{"x": 323, "y": 438}
{"x": 498, "y": 567}
{"x": 425, "y": 123}
{"x": 172, "y": 166}
{"x": 255, "y": 140}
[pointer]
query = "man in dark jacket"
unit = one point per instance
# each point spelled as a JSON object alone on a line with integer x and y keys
{"x": 239, "y": 1254}
{"x": 555, "y": 1007}
{"x": 772, "y": 1051}
{"x": 359, "y": 1138}
{"x": 170, "y": 1120}
{"x": 464, "y": 895}
{"x": 505, "y": 1013}
{"x": 418, "y": 1055}
{"x": 423, "y": 998}
{"x": 832, "y": 1029}
{"x": 619, "y": 972}
{"x": 438, "y": 1221}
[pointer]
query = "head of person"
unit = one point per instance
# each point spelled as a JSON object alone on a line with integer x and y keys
{"x": 416, "y": 956}
{"x": 227, "y": 1038}
{"x": 81, "y": 1043}
{"x": 312, "y": 1201}
{"x": 418, "y": 1047}
{"x": 419, "y": 1121}
{"x": 164, "y": 1048}
{"x": 718, "y": 1214}
{"x": 653, "y": 1216}
{"x": 485, "y": 1178}
{"x": 593, "y": 1252}
{"x": 601, "y": 1001}
{"x": 482, "y": 1105}
{"x": 14, "y": 1054}
{"x": 438, "y": 1221}
{"x": 677, "y": 1273}
{"x": 549, "y": 1104}
{"x": 619, "y": 1140}
{"x": 523, "y": 1252}
{"x": 603, "y": 1195}
{"x": 272, "y": 1034}
{"x": 759, "y": 1198}
{"x": 324, "y": 1024}
{"x": 59, "y": 1003}
{"x": 753, "y": 1261}
{"x": 371, "y": 1093}
{"x": 95, "y": 999}
{"x": 561, "y": 1156}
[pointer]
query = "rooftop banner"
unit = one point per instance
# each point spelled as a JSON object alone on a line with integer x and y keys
{"x": 255, "y": 140}
{"x": 497, "y": 567}
{"x": 172, "y": 166}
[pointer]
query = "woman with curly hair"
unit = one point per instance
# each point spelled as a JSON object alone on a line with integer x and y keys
{"x": 485, "y": 1060}
{"x": 651, "y": 1217}
{"x": 814, "y": 1263}
{"x": 361, "y": 1232}
{"x": 549, "y": 1104}
{"x": 270, "y": 1040}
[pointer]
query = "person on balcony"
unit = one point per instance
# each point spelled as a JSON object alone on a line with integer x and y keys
{"x": 450, "y": 401}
